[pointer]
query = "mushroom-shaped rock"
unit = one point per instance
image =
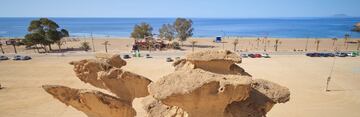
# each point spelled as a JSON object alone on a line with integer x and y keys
{"x": 210, "y": 55}
{"x": 222, "y": 62}
{"x": 114, "y": 60}
{"x": 200, "y": 93}
{"x": 263, "y": 96}
{"x": 126, "y": 85}
{"x": 101, "y": 73}
{"x": 89, "y": 71}
{"x": 92, "y": 103}
{"x": 214, "y": 61}
{"x": 155, "y": 108}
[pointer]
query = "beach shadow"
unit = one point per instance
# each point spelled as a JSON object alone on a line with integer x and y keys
{"x": 338, "y": 90}
{"x": 66, "y": 50}
{"x": 200, "y": 46}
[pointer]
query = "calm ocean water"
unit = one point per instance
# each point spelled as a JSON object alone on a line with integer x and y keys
{"x": 204, "y": 27}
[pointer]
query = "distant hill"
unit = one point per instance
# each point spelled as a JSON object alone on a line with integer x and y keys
{"x": 340, "y": 15}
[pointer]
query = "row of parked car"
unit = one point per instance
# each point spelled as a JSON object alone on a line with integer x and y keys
{"x": 16, "y": 57}
{"x": 338, "y": 54}
{"x": 265, "y": 55}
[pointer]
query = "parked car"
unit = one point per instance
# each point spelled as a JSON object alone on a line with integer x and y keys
{"x": 126, "y": 56}
{"x": 251, "y": 55}
{"x": 169, "y": 60}
{"x": 148, "y": 56}
{"x": 309, "y": 54}
{"x": 314, "y": 54}
{"x": 265, "y": 55}
{"x": 343, "y": 55}
{"x": 323, "y": 55}
{"x": 257, "y": 55}
{"x": 355, "y": 53}
{"x": 26, "y": 58}
{"x": 19, "y": 57}
{"x": 330, "y": 54}
{"x": 351, "y": 54}
{"x": 2, "y": 57}
{"x": 244, "y": 55}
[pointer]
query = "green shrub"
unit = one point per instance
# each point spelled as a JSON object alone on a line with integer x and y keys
{"x": 175, "y": 45}
{"x": 85, "y": 46}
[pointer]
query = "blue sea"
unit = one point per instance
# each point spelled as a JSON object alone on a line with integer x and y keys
{"x": 329, "y": 27}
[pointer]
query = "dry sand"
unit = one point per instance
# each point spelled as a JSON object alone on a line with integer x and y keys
{"x": 304, "y": 76}
{"x": 121, "y": 44}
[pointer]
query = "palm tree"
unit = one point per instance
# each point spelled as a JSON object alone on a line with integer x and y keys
{"x": 193, "y": 44}
{"x": 317, "y": 42}
{"x": 2, "y": 50}
{"x": 235, "y": 43}
{"x": 346, "y": 39}
{"x": 334, "y": 40}
{"x": 358, "y": 44}
{"x": 106, "y": 43}
{"x": 277, "y": 42}
{"x": 257, "y": 40}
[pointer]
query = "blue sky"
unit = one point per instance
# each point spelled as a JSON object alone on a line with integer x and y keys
{"x": 178, "y": 8}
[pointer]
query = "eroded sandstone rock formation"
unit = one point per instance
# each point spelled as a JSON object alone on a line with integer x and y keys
{"x": 103, "y": 72}
{"x": 210, "y": 84}
{"x": 204, "y": 84}
{"x": 92, "y": 103}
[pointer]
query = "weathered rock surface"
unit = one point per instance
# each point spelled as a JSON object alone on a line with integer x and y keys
{"x": 200, "y": 93}
{"x": 211, "y": 84}
{"x": 157, "y": 109}
{"x": 126, "y": 85}
{"x": 210, "y": 55}
{"x": 104, "y": 72}
{"x": 221, "y": 62}
{"x": 92, "y": 103}
{"x": 114, "y": 60}
{"x": 263, "y": 96}
{"x": 204, "y": 84}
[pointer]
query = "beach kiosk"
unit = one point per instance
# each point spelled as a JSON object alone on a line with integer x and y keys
{"x": 218, "y": 39}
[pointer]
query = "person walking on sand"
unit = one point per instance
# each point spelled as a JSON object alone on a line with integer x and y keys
{"x": 136, "y": 50}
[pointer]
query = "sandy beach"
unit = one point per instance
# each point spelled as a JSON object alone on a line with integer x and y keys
{"x": 304, "y": 76}
{"x": 123, "y": 44}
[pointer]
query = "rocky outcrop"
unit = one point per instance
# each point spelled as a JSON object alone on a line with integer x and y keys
{"x": 211, "y": 84}
{"x": 156, "y": 108}
{"x": 204, "y": 84}
{"x": 92, "y": 103}
{"x": 197, "y": 91}
{"x": 356, "y": 27}
{"x": 125, "y": 85}
{"x": 103, "y": 72}
{"x": 263, "y": 96}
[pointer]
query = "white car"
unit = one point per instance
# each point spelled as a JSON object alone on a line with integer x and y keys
{"x": 265, "y": 55}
